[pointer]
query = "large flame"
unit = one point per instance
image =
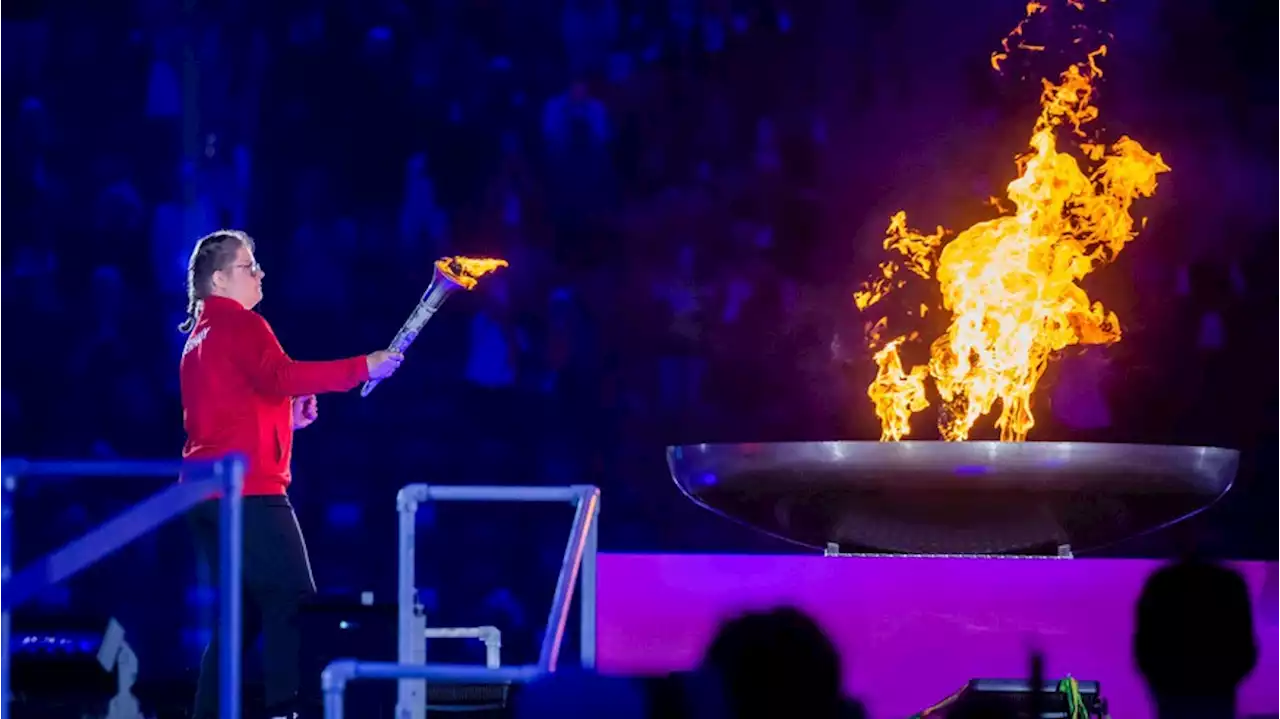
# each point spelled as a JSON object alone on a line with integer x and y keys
{"x": 1011, "y": 283}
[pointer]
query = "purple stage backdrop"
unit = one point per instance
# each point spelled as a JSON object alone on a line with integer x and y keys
{"x": 911, "y": 631}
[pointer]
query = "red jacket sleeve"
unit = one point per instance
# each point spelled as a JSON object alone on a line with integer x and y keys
{"x": 272, "y": 372}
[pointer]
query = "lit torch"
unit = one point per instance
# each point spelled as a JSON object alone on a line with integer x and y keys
{"x": 451, "y": 274}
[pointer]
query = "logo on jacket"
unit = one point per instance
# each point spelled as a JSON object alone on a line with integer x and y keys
{"x": 194, "y": 341}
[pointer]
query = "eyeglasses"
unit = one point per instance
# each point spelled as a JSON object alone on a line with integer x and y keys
{"x": 254, "y": 269}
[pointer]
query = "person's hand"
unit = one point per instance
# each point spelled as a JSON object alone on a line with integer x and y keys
{"x": 383, "y": 363}
{"x": 305, "y": 411}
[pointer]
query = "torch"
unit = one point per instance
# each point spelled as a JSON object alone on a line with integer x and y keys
{"x": 451, "y": 274}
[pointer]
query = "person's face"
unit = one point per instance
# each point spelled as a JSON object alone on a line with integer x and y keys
{"x": 241, "y": 280}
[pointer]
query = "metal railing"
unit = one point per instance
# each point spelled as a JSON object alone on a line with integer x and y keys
{"x": 489, "y": 636}
{"x": 411, "y": 669}
{"x": 201, "y": 481}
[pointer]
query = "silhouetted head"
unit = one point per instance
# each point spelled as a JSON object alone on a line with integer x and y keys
{"x": 777, "y": 663}
{"x": 1194, "y": 636}
{"x": 222, "y": 264}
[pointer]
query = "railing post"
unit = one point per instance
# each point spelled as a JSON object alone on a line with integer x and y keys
{"x": 411, "y": 648}
{"x": 570, "y": 567}
{"x": 333, "y": 683}
{"x": 412, "y": 671}
{"x": 231, "y": 526}
{"x": 336, "y": 676}
{"x": 228, "y": 478}
{"x": 10, "y": 484}
{"x": 587, "y": 599}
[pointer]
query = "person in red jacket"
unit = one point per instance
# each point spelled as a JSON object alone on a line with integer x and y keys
{"x": 242, "y": 394}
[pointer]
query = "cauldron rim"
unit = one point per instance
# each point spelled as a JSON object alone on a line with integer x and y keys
{"x": 1147, "y": 475}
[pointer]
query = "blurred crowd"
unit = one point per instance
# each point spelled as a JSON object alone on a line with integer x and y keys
{"x": 687, "y": 191}
{"x": 633, "y": 162}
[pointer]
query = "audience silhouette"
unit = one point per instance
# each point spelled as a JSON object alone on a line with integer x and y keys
{"x": 779, "y": 664}
{"x": 1194, "y": 640}
{"x": 1194, "y": 644}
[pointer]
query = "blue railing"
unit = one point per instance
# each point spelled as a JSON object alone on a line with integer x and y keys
{"x": 411, "y": 670}
{"x": 201, "y": 481}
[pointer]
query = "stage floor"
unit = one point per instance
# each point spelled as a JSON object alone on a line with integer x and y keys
{"x": 910, "y": 630}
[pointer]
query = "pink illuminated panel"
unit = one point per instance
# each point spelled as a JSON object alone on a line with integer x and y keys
{"x": 910, "y": 630}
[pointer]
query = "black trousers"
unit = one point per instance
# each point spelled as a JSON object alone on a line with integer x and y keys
{"x": 277, "y": 582}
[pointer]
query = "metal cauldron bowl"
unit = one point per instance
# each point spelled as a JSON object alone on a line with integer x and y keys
{"x": 953, "y": 497}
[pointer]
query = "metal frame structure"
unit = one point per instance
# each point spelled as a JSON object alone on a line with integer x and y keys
{"x": 412, "y": 670}
{"x": 201, "y": 481}
{"x": 487, "y": 635}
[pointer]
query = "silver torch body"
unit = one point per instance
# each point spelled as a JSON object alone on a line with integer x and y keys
{"x": 442, "y": 286}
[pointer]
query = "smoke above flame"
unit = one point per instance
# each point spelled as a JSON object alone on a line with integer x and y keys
{"x": 1011, "y": 283}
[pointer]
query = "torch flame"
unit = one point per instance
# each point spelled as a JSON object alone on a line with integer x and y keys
{"x": 1011, "y": 283}
{"x": 465, "y": 271}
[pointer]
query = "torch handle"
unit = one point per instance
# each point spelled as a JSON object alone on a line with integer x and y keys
{"x": 406, "y": 335}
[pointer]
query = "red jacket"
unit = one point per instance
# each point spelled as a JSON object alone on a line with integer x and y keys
{"x": 237, "y": 386}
